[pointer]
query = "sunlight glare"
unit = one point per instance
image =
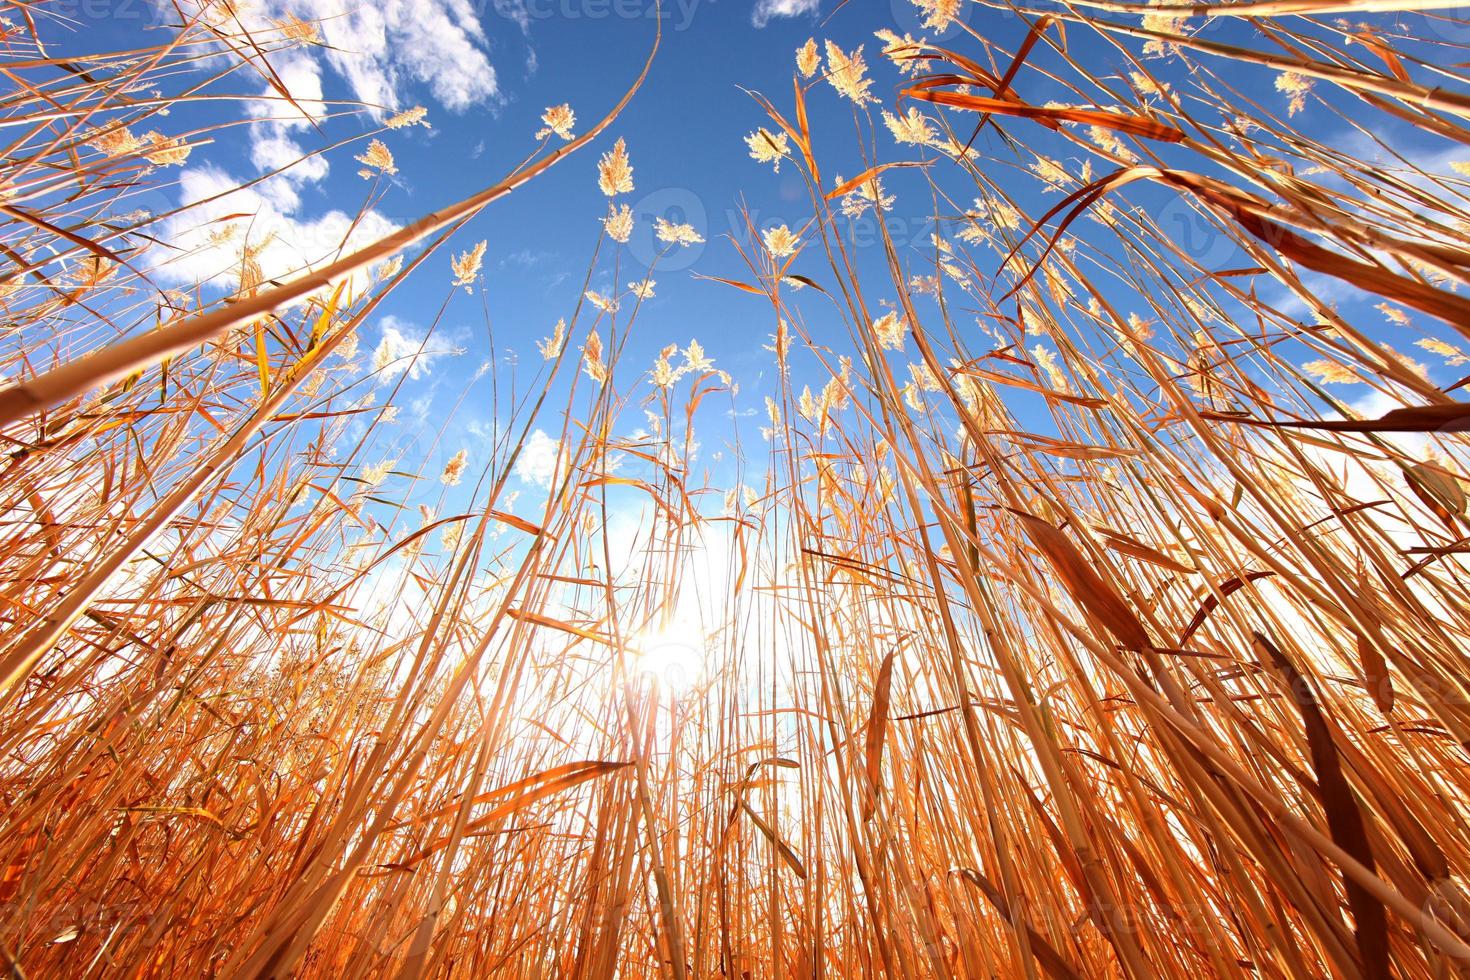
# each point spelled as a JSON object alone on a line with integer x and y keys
{"x": 673, "y": 657}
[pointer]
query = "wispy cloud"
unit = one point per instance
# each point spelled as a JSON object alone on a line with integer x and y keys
{"x": 526, "y": 259}
{"x": 768, "y": 10}
{"x": 381, "y": 47}
{"x": 403, "y": 347}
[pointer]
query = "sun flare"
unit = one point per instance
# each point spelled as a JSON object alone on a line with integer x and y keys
{"x": 674, "y": 657}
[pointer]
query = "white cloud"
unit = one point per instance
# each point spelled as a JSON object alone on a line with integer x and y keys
{"x": 768, "y": 10}
{"x": 221, "y": 217}
{"x": 1375, "y": 404}
{"x": 300, "y": 76}
{"x": 537, "y": 461}
{"x": 399, "y": 350}
{"x": 272, "y": 152}
{"x": 271, "y": 145}
{"x": 380, "y": 47}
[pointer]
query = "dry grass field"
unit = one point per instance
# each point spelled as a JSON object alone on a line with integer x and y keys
{"x": 1083, "y": 622}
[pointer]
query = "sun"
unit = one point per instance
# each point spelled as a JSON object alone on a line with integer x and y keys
{"x": 672, "y": 657}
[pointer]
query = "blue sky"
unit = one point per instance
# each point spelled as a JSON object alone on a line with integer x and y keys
{"x": 486, "y": 74}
